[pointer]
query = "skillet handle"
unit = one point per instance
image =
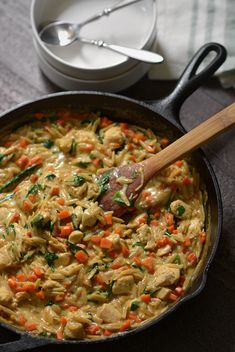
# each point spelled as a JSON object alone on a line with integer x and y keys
{"x": 25, "y": 343}
{"x": 190, "y": 80}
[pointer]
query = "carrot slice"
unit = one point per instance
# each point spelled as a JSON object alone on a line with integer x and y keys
{"x": 81, "y": 257}
{"x": 105, "y": 243}
{"x": 63, "y": 214}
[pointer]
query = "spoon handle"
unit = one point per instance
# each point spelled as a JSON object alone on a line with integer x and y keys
{"x": 190, "y": 141}
{"x": 137, "y": 54}
{"x": 107, "y": 10}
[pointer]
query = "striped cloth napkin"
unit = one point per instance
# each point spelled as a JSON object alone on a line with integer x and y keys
{"x": 185, "y": 25}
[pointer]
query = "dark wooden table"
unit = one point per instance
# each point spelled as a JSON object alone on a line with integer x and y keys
{"x": 207, "y": 322}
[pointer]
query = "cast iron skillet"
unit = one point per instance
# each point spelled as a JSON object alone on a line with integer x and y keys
{"x": 158, "y": 118}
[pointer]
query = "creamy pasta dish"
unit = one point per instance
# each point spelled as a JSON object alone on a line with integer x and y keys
{"x": 69, "y": 269}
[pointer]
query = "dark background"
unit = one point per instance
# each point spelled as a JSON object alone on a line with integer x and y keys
{"x": 207, "y": 322}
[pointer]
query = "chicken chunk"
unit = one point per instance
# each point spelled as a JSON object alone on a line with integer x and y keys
{"x": 74, "y": 330}
{"x": 164, "y": 275}
{"x": 123, "y": 285}
{"x": 113, "y": 135}
{"x": 5, "y": 296}
{"x": 180, "y": 209}
{"x": 109, "y": 314}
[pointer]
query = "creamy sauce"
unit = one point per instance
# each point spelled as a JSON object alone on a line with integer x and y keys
{"x": 69, "y": 270}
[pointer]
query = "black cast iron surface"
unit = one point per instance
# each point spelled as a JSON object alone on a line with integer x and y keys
{"x": 207, "y": 322}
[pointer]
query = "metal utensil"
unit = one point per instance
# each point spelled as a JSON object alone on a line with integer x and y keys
{"x": 64, "y": 33}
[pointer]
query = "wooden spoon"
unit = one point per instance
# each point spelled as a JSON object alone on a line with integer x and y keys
{"x": 137, "y": 175}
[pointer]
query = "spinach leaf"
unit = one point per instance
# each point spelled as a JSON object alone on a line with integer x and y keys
{"x": 50, "y": 258}
{"x": 16, "y": 179}
{"x": 50, "y": 177}
{"x": 180, "y": 210}
{"x": 73, "y": 147}
{"x": 78, "y": 180}
{"x": 38, "y": 222}
{"x": 34, "y": 189}
{"x": 103, "y": 182}
{"x": 48, "y": 143}
{"x": 7, "y": 198}
{"x": 135, "y": 305}
{"x": 117, "y": 198}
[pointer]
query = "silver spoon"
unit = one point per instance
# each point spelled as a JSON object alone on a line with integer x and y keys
{"x": 64, "y": 33}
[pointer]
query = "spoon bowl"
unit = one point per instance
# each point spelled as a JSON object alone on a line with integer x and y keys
{"x": 59, "y": 33}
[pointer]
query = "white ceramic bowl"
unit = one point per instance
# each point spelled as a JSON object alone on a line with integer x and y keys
{"x": 132, "y": 26}
{"x": 114, "y": 84}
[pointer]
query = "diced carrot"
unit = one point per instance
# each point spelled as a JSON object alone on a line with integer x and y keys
{"x": 39, "y": 115}
{"x": 164, "y": 142}
{"x": 187, "y": 242}
{"x": 30, "y": 326}
{"x": 87, "y": 148}
{"x": 33, "y": 178}
{"x": 130, "y": 146}
{"x": 38, "y": 271}
{"x": 107, "y": 332}
{"x": 113, "y": 254}
{"x": 66, "y": 230}
{"x": 179, "y": 290}
{"x": 59, "y": 334}
{"x": 146, "y": 298}
{"x": 171, "y": 228}
{"x": 32, "y": 277}
{"x": 72, "y": 308}
{"x": 61, "y": 201}
{"x": 92, "y": 329}
{"x": 138, "y": 136}
{"x": 21, "y": 277}
{"x": 55, "y": 191}
{"x": 149, "y": 265}
{"x": 187, "y": 181}
{"x": 145, "y": 194}
{"x": 36, "y": 160}
{"x": 162, "y": 242}
{"x": 152, "y": 254}
{"x": 126, "y": 325}
{"x": 105, "y": 243}
{"x": 132, "y": 157}
{"x": 26, "y": 288}
{"x": 99, "y": 280}
{"x": 108, "y": 219}
{"x": 63, "y": 321}
{"x": 41, "y": 294}
{"x": 137, "y": 261}
{"x": 22, "y": 320}
{"x": 192, "y": 258}
{"x": 175, "y": 232}
{"x": 104, "y": 122}
{"x": 96, "y": 162}
{"x": 12, "y": 282}
{"x": 133, "y": 316}
{"x": 179, "y": 163}
{"x": 115, "y": 266}
{"x": 32, "y": 197}
{"x": 154, "y": 223}
{"x": 95, "y": 240}
{"x": 81, "y": 257}
{"x": 27, "y": 205}
{"x": 118, "y": 230}
{"x": 63, "y": 214}
{"x": 15, "y": 218}
{"x": 107, "y": 233}
{"x": 142, "y": 220}
{"x": 23, "y": 143}
{"x": 172, "y": 297}
{"x": 124, "y": 126}
{"x": 23, "y": 161}
{"x": 169, "y": 218}
{"x": 202, "y": 237}
{"x": 125, "y": 251}
{"x": 29, "y": 234}
{"x": 157, "y": 214}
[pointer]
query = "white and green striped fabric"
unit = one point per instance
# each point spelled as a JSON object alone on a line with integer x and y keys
{"x": 185, "y": 25}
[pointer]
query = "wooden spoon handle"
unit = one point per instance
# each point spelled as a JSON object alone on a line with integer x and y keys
{"x": 190, "y": 141}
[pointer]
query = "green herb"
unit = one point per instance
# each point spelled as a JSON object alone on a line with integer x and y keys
{"x": 2, "y": 156}
{"x": 139, "y": 244}
{"x": 103, "y": 182}
{"x": 109, "y": 288}
{"x": 180, "y": 210}
{"x": 49, "y": 303}
{"x": 11, "y": 229}
{"x": 38, "y": 222}
{"x": 48, "y": 143}
{"x": 34, "y": 189}
{"x": 44, "y": 334}
{"x": 138, "y": 267}
{"x": 118, "y": 199}
{"x": 83, "y": 164}
{"x": 167, "y": 233}
{"x": 96, "y": 266}
{"x": 78, "y": 180}
{"x": 149, "y": 292}
{"x": 177, "y": 259}
{"x": 50, "y": 177}
{"x": 73, "y": 148}
{"x": 7, "y": 198}
{"x": 74, "y": 247}
{"x": 74, "y": 219}
{"x": 16, "y": 179}
{"x": 50, "y": 258}
{"x": 135, "y": 305}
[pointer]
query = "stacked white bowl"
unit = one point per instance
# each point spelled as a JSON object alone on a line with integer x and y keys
{"x": 84, "y": 66}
